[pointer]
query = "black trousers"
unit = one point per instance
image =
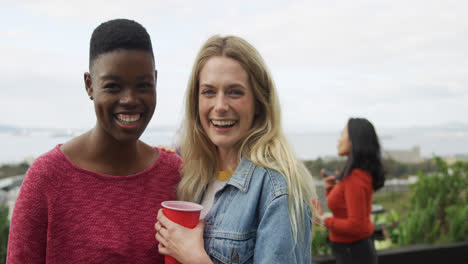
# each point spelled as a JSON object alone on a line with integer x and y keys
{"x": 359, "y": 252}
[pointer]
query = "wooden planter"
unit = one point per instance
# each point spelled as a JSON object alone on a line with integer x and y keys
{"x": 452, "y": 253}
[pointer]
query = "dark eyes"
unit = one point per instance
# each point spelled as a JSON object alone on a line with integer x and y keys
{"x": 115, "y": 87}
{"x": 145, "y": 86}
{"x": 112, "y": 87}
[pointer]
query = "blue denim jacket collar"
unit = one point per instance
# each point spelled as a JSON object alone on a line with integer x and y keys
{"x": 242, "y": 175}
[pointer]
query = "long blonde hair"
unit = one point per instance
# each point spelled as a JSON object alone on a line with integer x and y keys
{"x": 265, "y": 145}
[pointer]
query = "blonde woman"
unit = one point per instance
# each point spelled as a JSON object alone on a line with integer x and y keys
{"x": 239, "y": 166}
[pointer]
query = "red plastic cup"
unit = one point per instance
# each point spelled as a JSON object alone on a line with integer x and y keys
{"x": 183, "y": 213}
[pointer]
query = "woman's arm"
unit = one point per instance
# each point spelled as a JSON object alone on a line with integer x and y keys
{"x": 27, "y": 240}
{"x": 275, "y": 241}
{"x": 184, "y": 244}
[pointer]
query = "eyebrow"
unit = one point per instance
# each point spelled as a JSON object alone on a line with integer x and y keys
{"x": 234, "y": 85}
{"x": 206, "y": 85}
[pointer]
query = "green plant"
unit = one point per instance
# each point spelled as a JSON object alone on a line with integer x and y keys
{"x": 437, "y": 211}
{"x": 320, "y": 243}
{"x": 389, "y": 222}
{"x": 457, "y": 218}
{"x": 421, "y": 224}
{"x": 396, "y": 201}
{"x": 449, "y": 182}
{"x": 4, "y": 229}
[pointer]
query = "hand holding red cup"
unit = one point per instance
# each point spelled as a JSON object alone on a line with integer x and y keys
{"x": 186, "y": 214}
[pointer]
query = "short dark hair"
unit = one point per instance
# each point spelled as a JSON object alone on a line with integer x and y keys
{"x": 118, "y": 34}
{"x": 365, "y": 151}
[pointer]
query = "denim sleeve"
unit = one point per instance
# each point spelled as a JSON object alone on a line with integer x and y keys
{"x": 275, "y": 242}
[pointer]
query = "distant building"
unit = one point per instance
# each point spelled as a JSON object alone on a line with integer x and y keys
{"x": 412, "y": 155}
{"x": 453, "y": 159}
{"x": 462, "y": 157}
{"x": 450, "y": 160}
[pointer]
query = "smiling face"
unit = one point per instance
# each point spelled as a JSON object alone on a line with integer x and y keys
{"x": 226, "y": 103}
{"x": 123, "y": 86}
{"x": 344, "y": 143}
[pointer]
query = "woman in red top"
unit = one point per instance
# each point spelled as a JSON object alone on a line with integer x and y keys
{"x": 349, "y": 194}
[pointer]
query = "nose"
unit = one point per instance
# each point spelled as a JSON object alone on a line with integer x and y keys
{"x": 128, "y": 97}
{"x": 221, "y": 103}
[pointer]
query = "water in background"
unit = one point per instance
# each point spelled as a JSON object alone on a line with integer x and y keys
{"x": 17, "y": 147}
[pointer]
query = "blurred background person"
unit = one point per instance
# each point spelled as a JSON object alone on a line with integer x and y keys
{"x": 349, "y": 194}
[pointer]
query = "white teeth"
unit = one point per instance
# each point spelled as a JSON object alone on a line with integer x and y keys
{"x": 128, "y": 118}
{"x": 223, "y": 122}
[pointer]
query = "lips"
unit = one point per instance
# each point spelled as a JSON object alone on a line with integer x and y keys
{"x": 129, "y": 118}
{"x": 223, "y": 123}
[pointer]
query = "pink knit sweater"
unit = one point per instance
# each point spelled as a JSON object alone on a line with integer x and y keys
{"x": 65, "y": 214}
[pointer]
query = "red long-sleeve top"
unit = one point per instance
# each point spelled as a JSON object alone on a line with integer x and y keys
{"x": 66, "y": 214}
{"x": 351, "y": 202}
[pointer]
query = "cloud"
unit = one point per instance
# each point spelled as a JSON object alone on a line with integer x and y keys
{"x": 95, "y": 11}
{"x": 358, "y": 33}
{"x": 397, "y": 62}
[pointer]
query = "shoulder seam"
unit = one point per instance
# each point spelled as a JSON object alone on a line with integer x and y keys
{"x": 273, "y": 176}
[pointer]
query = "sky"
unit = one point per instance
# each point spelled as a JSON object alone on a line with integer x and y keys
{"x": 398, "y": 63}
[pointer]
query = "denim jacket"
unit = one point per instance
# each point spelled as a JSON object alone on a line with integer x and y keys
{"x": 249, "y": 221}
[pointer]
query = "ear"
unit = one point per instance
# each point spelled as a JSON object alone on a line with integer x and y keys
{"x": 88, "y": 83}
